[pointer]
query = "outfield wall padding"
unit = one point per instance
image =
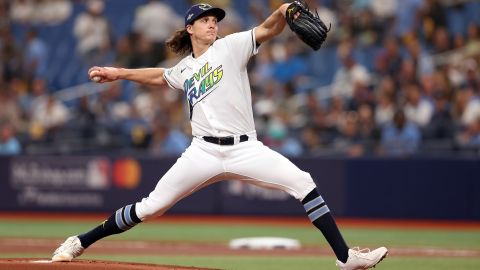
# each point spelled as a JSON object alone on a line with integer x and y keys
{"x": 440, "y": 188}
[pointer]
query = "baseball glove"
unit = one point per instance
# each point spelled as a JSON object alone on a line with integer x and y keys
{"x": 306, "y": 24}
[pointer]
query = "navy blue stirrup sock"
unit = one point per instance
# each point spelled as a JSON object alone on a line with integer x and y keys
{"x": 122, "y": 220}
{"x": 321, "y": 217}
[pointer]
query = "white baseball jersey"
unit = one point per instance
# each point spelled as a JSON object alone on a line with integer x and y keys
{"x": 217, "y": 87}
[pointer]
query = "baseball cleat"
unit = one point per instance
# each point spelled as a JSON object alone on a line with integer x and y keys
{"x": 363, "y": 259}
{"x": 70, "y": 249}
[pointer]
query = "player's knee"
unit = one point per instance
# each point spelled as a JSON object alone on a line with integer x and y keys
{"x": 305, "y": 185}
{"x": 149, "y": 208}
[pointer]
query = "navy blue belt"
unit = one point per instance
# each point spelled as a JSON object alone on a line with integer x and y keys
{"x": 230, "y": 140}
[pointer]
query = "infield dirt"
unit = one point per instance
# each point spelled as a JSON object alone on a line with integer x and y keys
{"x": 36, "y": 264}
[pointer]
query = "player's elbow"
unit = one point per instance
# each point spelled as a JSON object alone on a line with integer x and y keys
{"x": 159, "y": 81}
{"x": 263, "y": 34}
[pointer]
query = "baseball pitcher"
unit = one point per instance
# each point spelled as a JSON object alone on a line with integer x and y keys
{"x": 214, "y": 79}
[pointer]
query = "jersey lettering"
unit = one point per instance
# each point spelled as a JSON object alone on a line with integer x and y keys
{"x": 201, "y": 73}
{"x": 206, "y": 79}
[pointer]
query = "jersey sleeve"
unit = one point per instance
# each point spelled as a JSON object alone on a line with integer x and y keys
{"x": 172, "y": 77}
{"x": 242, "y": 45}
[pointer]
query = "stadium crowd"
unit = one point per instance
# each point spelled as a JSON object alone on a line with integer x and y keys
{"x": 395, "y": 78}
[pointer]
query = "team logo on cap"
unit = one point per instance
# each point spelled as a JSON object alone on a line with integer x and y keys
{"x": 189, "y": 16}
{"x": 204, "y": 6}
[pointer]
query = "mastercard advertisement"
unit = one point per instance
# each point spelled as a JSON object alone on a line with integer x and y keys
{"x": 126, "y": 173}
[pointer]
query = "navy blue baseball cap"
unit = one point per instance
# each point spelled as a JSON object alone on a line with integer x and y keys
{"x": 196, "y": 11}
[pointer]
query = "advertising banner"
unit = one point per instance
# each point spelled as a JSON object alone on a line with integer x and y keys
{"x": 378, "y": 188}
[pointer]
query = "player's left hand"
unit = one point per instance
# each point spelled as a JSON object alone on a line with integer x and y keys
{"x": 306, "y": 24}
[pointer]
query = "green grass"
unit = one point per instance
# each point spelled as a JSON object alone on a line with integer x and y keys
{"x": 224, "y": 233}
{"x": 452, "y": 239}
{"x": 301, "y": 263}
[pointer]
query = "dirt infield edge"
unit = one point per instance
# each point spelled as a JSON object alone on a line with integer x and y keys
{"x": 44, "y": 264}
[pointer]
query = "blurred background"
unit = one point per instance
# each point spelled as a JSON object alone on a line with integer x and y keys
{"x": 395, "y": 78}
{"x": 389, "y": 106}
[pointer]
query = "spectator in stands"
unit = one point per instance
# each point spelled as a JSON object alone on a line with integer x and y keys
{"x": 91, "y": 29}
{"x": 418, "y": 109}
{"x": 313, "y": 114}
{"x": 40, "y": 12}
{"x": 389, "y": 61}
{"x": 146, "y": 102}
{"x": 280, "y": 139}
{"x": 407, "y": 75}
{"x": 473, "y": 39}
{"x": 472, "y": 74}
{"x": 264, "y": 108}
{"x": 110, "y": 107}
{"x": 9, "y": 144}
{"x": 21, "y": 11}
{"x": 441, "y": 41}
{"x": 290, "y": 104}
{"x": 166, "y": 140}
{"x": 458, "y": 16}
{"x": 407, "y": 18}
{"x": 18, "y": 90}
{"x": 10, "y": 56}
{"x": 351, "y": 77}
{"x": 85, "y": 120}
{"x": 366, "y": 29}
{"x": 384, "y": 109}
{"x": 406, "y": 57}
{"x": 459, "y": 103}
{"x": 9, "y": 110}
{"x": 38, "y": 95}
{"x": 350, "y": 141}
{"x": 263, "y": 68}
{"x": 148, "y": 18}
{"x": 124, "y": 51}
{"x": 441, "y": 125}
{"x": 5, "y": 19}
{"x": 431, "y": 85}
{"x": 48, "y": 116}
{"x": 384, "y": 10}
{"x": 433, "y": 16}
{"x": 400, "y": 137}
{"x": 53, "y": 12}
{"x": 470, "y": 137}
{"x": 144, "y": 53}
{"x": 385, "y": 106}
{"x": 257, "y": 10}
{"x": 311, "y": 141}
{"x": 336, "y": 113}
{"x": 35, "y": 55}
{"x": 472, "y": 107}
{"x": 420, "y": 58}
{"x": 288, "y": 64}
{"x": 136, "y": 130}
{"x": 367, "y": 129}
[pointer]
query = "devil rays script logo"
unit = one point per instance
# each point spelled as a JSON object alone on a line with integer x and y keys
{"x": 206, "y": 78}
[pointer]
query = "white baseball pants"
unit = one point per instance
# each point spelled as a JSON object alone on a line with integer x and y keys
{"x": 204, "y": 163}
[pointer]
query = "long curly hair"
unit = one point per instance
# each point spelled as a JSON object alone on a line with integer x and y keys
{"x": 180, "y": 42}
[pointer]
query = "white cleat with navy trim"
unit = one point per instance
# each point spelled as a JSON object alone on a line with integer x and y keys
{"x": 363, "y": 259}
{"x": 70, "y": 249}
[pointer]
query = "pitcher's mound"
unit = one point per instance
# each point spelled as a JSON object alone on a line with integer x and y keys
{"x": 44, "y": 264}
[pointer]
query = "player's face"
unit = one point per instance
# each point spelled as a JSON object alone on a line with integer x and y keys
{"x": 205, "y": 28}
